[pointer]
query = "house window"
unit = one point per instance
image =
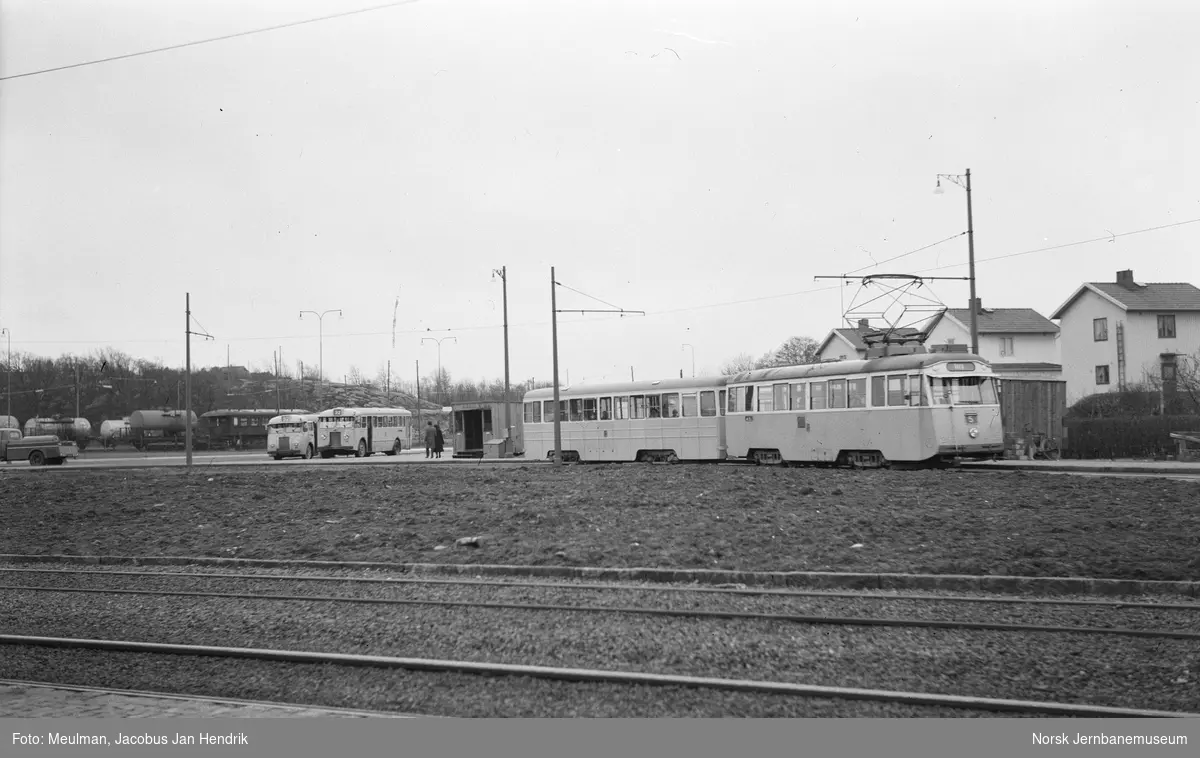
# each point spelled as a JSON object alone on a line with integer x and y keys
{"x": 1100, "y": 329}
{"x": 1102, "y": 374}
{"x": 1006, "y": 347}
{"x": 1166, "y": 327}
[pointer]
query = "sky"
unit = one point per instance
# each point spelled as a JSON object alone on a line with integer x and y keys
{"x": 698, "y": 161}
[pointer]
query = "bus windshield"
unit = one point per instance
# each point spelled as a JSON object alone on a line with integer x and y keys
{"x": 288, "y": 428}
{"x": 963, "y": 390}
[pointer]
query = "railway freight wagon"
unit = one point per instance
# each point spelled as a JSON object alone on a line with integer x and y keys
{"x": 916, "y": 408}
{"x": 9, "y": 422}
{"x": 77, "y": 430}
{"x": 162, "y": 428}
{"x": 114, "y": 431}
{"x": 663, "y": 420}
{"x": 241, "y": 429}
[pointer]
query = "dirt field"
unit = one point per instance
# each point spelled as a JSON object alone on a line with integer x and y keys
{"x": 752, "y": 519}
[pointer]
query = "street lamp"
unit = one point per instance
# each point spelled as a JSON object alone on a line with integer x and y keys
{"x": 442, "y": 397}
{"x": 321, "y": 337}
{"x": 693, "y": 357}
{"x": 964, "y": 181}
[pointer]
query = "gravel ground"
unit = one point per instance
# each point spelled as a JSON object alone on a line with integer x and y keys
{"x": 723, "y": 517}
{"x": 1184, "y": 619}
{"x": 1125, "y": 672}
{"x": 457, "y": 695}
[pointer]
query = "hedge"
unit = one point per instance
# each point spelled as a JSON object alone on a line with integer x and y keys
{"x": 1141, "y": 437}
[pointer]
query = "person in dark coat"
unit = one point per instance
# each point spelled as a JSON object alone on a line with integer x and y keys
{"x": 430, "y": 439}
{"x": 439, "y": 442}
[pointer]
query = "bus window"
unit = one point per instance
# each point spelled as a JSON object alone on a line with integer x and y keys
{"x": 688, "y": 410}
{"x": 916, "y": 392}
{"x": 749, "y": 398}
{"x": 605, "y": 408}
{"x": 818, "y": 392}
{"x": 708, "y": 403}
{"x": 533, "y": 413}
{"x": 589, "y": 409}
{"x": 654, "y": 406}
{"x": 781, "y": 396}
{"x": 896, "y": 390}
{"x": 721, "y": 405}
{"x": 857, "y": 395}
{"x": 797, "y": 397}
{"x": 637, "y": 406}
{"x": 576, "y": 409}
{"x": 765, "y": 399}
{"x": 670, "y": 405}
{"x": 622, "y": 408}
{"x": 837, "y": 393}
{"x": 878, "y": 391}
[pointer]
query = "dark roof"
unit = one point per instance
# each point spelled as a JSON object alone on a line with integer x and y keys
{"x": 1000, "y": 368}
{"x": 1007, "y": 320}
{"x": 1172, "y": 296}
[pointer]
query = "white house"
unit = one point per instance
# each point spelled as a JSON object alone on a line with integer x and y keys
{"x": 1124, "y": 333}
{"x": 1020, "y": 343}
{"x": 848, "y": 344}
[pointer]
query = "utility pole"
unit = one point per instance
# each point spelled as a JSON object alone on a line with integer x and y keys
{"x": 8, "y": 374}
{"x": 554, "y": 345}
{"x": 278, "y": 404}
{"x": 964, "y": 181}
{"x": 420, "y": 430}
{"x": 321, "y": 337}
{"x": 441, "y": 393}
{"x": 507, "y": 409}
{"x": 187, "y": 413}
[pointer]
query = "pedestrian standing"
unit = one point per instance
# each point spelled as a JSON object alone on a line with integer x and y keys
{"x": 439, "y": 442}
{"x": 430, "y": 439}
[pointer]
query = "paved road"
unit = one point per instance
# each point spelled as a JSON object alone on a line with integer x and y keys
{"x": 25, "y": 700}
{"x": 113, "y": 460}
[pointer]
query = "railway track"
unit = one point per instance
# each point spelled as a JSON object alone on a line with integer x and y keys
{"x": 506, "y": 624}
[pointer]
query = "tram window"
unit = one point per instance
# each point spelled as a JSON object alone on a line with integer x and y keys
{"x": 797, "y": 392}
{"x": 764, "y": 399}
{"x": 548, "y": 415}
{"x": 622, "y": 408}
{"x": 689, "y": 406}
{"x": 576, "y": 409}
{"x": 637, "y": 406}
{"x": 708, "y": 406}
{"x": 781, "y": 396}
{"x": 653, "y": 406}
{"x": 857, "y": 395}
{"x": 837, "y": 393}
{"x": 916, "y": 393}
{"x": 818, "y": 391}
{"x": 749, "y": 398}
{"x": 943, "y": 391}
{"x": 721, "y": 404}
{"x": 878, "y": 391}
{"x": 605, "y": 408}
{"x": 737, "y": 396}
{"x": 896, "y": 387}
{"x": 670, "y": 405}
{"x": 589, "y": 409}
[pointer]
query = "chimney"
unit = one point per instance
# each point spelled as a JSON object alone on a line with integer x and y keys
{"x": 1125, "y": 279}
{"x": 977, "y": 305}
{"x": 864, "y": 323}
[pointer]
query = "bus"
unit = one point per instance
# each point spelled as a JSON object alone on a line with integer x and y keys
{"x": 292, "y": 434}
{"x": 363, "y": 431}
{"x": 663, "y": 420}
{"x": 915, "y": 408}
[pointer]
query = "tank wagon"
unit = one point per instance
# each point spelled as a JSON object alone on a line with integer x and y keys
{"x": 114, "y": 431}
{"x": 77, "y": 430}
{"x": 159, "y": 428}
{"x": 9, "y": 422}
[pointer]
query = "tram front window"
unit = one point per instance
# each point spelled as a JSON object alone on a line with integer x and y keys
{"x": 964, "y": 390}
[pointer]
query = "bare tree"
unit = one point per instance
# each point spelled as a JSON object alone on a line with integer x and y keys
{"x": 1177, "y": 383}
{"x": 738, "y": 363}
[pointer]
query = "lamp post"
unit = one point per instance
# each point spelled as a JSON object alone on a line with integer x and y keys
{"x": 964, "y": 181}
{"x": 693, "y": 358}
{"x": 503, "y": 274}
{"x": 321, "y": 337}
{"x": 8, "y": 373}
{"x": 442, "y": 396}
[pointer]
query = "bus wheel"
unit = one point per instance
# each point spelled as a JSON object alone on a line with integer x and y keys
{"x": 395, "y": 448}
{"x": 362, "y": 449}
{"x": 278, "y": 457}
{"x": 37, "y": 458}
{"x": 308, "y": 452}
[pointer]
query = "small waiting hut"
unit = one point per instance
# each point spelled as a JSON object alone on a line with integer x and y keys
{"x": 480, "y": 429}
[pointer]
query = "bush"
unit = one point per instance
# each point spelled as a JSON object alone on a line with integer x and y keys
{"x": 1144, "y": 437}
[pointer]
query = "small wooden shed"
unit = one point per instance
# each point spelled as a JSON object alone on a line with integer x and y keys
{"x": 478, "y": 422}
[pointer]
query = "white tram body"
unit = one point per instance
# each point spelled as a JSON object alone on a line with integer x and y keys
{"x": 668, "y": 419}
{"x": 363, "y": 431}
{"x": 907, "y": 408}
{"x": 292, "y": 434}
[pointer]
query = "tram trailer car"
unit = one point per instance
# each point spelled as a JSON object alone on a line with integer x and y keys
{"x": 241, "y": 429}
{"x": 292, "y": 435}
{"x": 159, "y": 428}
{"x": 919, "y": 408}
{"x": 663, "y": 420}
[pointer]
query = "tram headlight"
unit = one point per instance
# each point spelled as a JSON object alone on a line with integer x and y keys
{"x": 973, "y": 432}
